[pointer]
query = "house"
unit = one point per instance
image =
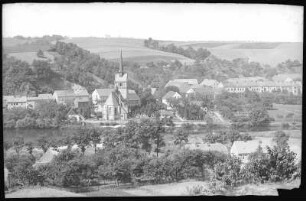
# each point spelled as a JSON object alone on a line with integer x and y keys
{"x": 170, "y": 94}
{"x": 290, "y": 77}
{"x": 33, "y": 101}
{"x": 208, "y": 147}
{"x": 6, "y": 99}
{"x": 211, "y": 83}
{"x": 263, "y": 85}
{"x": 16, "y": 102}
{"x": 74, "y": 115}
{"x": 83, "y": 106}
{"x": 242, "y": 149}
{"x": 64, "y": 96}
{"x": 204, "y": 91}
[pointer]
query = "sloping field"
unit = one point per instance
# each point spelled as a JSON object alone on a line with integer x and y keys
{"x": 132, "y": 49}
{"x": 29, "y": 57}
{"x": 282, "y": 113}
{"x": 263, "y": 52}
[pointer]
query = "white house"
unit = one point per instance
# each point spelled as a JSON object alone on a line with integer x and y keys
{"x": 242, "y": 149}
{"x": 211, "y": 83}
{"x": 170, "y": 94}
{"x": 16, "y": 101}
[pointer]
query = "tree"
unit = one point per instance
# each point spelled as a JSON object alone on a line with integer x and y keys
{"x": 30, "y": 147}
{"x": 281, "y": 138}
{"x": 82, "y": 138}
{"x": 259, "y": 117}
{"x": 18, "y": 143}
{"x": 44, "y": 143}
{"x": 181, "y": 136}
{"x": 40, "y": 54}
{"x": 95, "y": 137}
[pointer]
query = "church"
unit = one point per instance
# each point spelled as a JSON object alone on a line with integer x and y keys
{"x": 115, "y": 103}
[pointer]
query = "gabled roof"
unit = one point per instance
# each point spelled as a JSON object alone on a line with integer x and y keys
{"x": 45, "y": 96}
{"x": 112, "y": 100}
{"x": 188, "y": 81}
{"x": 82, "y": 99}
{"x": 132, "y": 95}
{"x": 203, "y": 90}
{"x": 251, "y": 146}
{"x": 64, "y": 92}
{"x": 283, "y": 77}
{"x": 104, "y": 92}
{"x": 170, "y": 94}
{"x": 17, "y": 99}
{"x": 209, "y": 82}
{"x": 208, "y": 147}
{"x": 82, "y": 92}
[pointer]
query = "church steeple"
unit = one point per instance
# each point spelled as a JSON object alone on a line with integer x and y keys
{"x": 121, "y": 63}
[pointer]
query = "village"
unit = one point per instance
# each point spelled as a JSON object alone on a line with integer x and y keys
{"x": 108, "y": 100}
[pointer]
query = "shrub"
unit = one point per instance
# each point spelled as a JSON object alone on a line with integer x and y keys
{"x": 10, "y": 123}
{"x": 285, "y": 125}
{"x": 289, "y": 115}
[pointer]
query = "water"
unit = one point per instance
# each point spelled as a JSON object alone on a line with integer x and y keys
{"x": 32, "y": 135}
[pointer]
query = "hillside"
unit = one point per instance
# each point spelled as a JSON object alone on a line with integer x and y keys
{"x": 133, "y": 49}
{"x": 262, "y": 52}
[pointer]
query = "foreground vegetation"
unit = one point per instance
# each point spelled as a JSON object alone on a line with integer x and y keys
{"x": 137, "y": 154}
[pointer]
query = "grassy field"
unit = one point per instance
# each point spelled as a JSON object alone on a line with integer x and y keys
{"x": 282, "y": 113}
{"x": 29, "y": 57}
{"x": 133, "y": 49}
{"x": 265, "y": 53}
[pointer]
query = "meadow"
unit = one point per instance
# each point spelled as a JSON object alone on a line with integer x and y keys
{"x": 286, "y": 113}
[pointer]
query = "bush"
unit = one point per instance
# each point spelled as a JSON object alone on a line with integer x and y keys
{"x": 289, "y": 115}
{"x": 10, "y": 123}
{"x": 285, "y": 125}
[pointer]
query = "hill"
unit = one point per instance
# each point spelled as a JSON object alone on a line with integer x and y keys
{"x": 262, "y": 52}
{"x": 133, "y": 49}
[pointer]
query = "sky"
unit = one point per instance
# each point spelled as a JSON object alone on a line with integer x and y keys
{"x": 180, "y": 22}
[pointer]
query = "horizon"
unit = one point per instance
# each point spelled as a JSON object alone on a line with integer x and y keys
{"x": 126, "y": 37}
{"x": 165, "y": 22}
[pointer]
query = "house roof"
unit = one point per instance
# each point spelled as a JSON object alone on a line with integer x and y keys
{"x": 182, "y": 86}
{"x": 209, "y": 82}
{"x": 104, "y": 92}
{"x": 203, "y": 90}
{"x": 64, "y": 92}
{"x": 82, "y": 92}
{"x": 170, "y": 94}
{"x": 283, "y": 77}
{"x": 82, "y": 99}
{"x": 17, "y": 99}
{"x": 45, "y": 96}
{"x": 208, "y": 147}
{"x": 251, "y": 146}
{"x": 188, "y": 81}
{"x": 132, "y": 95}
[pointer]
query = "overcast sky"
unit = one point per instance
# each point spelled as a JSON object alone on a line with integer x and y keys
{"x": 205, "y": 22}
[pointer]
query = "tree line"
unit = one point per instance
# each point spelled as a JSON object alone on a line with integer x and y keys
{"x": 199, "y": 54}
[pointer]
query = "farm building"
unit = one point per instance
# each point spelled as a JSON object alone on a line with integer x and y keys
{"x": 242, "y": 149}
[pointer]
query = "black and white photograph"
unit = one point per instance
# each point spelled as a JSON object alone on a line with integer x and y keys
{"x": 151, "y": 99}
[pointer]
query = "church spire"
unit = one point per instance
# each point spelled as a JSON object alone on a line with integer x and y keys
{"x": 121, "y": 63}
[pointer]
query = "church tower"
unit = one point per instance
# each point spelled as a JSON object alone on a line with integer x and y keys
{"x": 121, "y": 79}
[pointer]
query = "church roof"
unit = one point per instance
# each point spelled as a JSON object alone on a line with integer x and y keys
{"x": 132, "y": 95}
{"x": 104, "y": 92}
{"x": 112, "y": 100}
{"x": 119, "y": 78}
